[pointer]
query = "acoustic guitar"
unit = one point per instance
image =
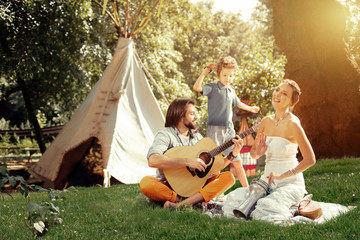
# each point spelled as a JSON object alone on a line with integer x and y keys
{"x": 187, "y": 181}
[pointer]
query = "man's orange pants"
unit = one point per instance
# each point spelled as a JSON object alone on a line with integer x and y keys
{"x": 157, "y": 190}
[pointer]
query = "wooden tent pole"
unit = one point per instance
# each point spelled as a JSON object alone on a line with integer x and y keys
{"x": 132, "y": 34}
{"x": 151, "y": 78}
{"x": 118, "y": 27}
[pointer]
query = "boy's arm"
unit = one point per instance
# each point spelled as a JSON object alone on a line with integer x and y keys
{"x": 198, "y": 84}
{"x": 253, "y": 109}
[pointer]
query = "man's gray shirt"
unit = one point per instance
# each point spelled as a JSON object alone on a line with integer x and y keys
{"x": 168, "y": 138}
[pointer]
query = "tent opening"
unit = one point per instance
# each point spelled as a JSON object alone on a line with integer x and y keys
{"x": 83, "y": 166}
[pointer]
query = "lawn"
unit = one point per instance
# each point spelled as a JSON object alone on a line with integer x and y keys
{"x": 122, "y": 212}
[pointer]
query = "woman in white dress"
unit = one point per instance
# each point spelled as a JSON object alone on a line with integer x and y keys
{"x": 279, "y": 136}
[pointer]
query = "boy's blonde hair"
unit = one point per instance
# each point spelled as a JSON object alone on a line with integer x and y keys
{"x": 226, "y": 62}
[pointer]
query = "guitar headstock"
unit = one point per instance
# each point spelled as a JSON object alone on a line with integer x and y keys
{"x": 256, "y": 125}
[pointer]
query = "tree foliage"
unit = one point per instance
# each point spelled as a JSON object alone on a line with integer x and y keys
{"x": 61, "y": 48}
{"x": 312, "y": 34}
{"x": 353, "y": 28}
{"x": 49, "y": 45}
{"x": 175, "y": 47}
{"x": 68, "y": 45}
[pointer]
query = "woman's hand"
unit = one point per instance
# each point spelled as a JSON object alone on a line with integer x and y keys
{"x": 238, "y": 144}
{"x": 273, "y": 176}
{"x": 261, "y": 146}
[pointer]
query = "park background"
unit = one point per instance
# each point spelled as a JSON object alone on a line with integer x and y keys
{"x": 53, "y": 52}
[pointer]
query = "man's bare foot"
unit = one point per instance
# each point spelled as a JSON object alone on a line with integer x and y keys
{"x": 169, "y": 204}
{"x": 178, "y": 199}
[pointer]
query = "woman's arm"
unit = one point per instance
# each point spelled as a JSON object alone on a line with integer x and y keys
{"x": 306, "y": 150}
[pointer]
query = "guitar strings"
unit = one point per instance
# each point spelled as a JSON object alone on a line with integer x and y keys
{"x": 227, "y": 144}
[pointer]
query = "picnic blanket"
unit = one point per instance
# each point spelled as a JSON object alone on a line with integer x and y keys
{"x": 330, "y": 211}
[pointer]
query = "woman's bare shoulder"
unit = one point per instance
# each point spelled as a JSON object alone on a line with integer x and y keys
{"x": 295, "y": 124}
{"x": 267, "y": 118}
{"x": 264, "y": 122}
{"x": 294, "y": 119}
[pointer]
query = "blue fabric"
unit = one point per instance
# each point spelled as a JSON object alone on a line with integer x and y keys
{"x": 220, "y": 103}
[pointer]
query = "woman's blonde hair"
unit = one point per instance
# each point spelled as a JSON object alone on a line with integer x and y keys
{"x": 296, "y": 92}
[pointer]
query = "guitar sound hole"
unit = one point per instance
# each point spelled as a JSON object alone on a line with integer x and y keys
{"x": 205, "y": 157}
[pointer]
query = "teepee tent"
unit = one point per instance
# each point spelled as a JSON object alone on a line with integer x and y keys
{"x": 120, "y": 115}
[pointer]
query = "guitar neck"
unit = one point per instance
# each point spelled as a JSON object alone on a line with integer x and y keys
{"x": 229, "y": 143}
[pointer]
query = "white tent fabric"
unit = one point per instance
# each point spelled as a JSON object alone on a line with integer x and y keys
{"x": 121, "y": 112}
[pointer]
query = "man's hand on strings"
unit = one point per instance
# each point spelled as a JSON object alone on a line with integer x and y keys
{"x": 238, "y": 144}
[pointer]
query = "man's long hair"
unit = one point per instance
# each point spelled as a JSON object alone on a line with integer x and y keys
{"x": 176, "y": 111}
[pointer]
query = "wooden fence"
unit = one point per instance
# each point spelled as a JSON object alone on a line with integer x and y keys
{"x": 47, "y": 131}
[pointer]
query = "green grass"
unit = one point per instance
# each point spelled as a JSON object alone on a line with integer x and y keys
{"x": 122, "y": 212}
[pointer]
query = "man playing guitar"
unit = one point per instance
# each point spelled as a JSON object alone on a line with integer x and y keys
{"x": 179, "y": 131}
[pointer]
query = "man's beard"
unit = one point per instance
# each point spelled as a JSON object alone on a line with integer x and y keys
{"x": 190, "y": 125}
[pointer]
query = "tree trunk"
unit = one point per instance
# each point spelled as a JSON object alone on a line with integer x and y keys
{"x": 311, "y": 35}
{"x": 32, "y": 115}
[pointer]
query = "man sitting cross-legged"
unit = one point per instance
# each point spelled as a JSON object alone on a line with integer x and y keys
{"x": 180, "y": 130}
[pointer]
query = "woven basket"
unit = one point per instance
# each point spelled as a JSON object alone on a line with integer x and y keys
{"x": 310, "y": 209}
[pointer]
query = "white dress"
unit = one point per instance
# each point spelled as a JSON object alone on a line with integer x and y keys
{"x": 280, "y": 157}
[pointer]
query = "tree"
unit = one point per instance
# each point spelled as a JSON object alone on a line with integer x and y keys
{"x": 311, "y": 34}
{"x": 69, "y": 43}
{"x": 203, "y": 36}
{"x": 353, "y": 28}
{"x": 43, "y": 47}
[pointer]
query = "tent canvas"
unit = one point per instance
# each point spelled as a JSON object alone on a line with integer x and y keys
{"x": 121, "y": 113}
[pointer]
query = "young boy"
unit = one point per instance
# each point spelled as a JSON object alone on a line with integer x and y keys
{"x": 221, "y": 98}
